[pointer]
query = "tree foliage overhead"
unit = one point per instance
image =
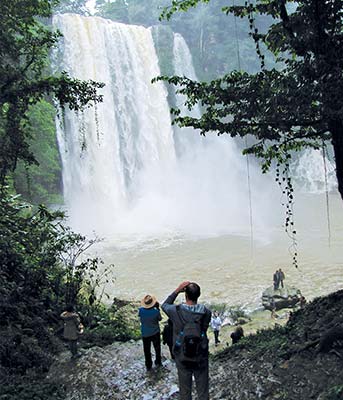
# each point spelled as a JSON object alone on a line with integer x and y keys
{"x": 25, "y": 78}
{"x": 298, "y": 103}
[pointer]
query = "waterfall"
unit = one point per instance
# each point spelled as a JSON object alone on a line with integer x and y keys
{"x": 309, "y": 171}
{"x": 107, "y": 150}
{"x": 126, "y": 173}
{"x": 185, "y": 138}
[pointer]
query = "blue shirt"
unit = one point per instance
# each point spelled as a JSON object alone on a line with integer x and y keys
{"x": 149, "y": 321}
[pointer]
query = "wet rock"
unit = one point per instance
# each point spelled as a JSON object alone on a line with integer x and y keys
{"x": 286, "y": 297}
{"x": 114, "y": 372}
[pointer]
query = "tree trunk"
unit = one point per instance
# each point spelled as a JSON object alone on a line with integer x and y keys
{"x": 336, "y": 128}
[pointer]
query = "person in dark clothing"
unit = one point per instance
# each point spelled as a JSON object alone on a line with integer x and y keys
{"x": 187, "y": 313}
{"x": 167, "y": 336}
{"x": 302, "y": 302}
{"x": 150, "y": 316}
{"x": 237, "y": 334}
{"x": 281, "y": 275}
{"x": 276, "y": 280}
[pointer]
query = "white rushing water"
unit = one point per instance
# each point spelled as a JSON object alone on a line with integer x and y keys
{"x": 171, "y": 204}
{"x": 126, "y": 173}
{"x": 108, "y": 151}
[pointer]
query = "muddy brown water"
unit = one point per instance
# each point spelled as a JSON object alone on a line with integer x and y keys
{"x": 228, "y": 268}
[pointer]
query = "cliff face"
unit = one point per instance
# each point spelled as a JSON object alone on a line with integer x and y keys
{"x": 289, "y": 363}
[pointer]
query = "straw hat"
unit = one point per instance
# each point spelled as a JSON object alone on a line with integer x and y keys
{"x": 148, "y": 301}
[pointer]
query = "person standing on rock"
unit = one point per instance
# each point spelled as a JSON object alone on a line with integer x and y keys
{"x": 190, "y": 342}
{"x": 281, "y": 277}
{"x": 216, "y": 324}
{"x": 276, "y": 280}
{"x": 150, "y": 316}
{"x": 72, "y": 329}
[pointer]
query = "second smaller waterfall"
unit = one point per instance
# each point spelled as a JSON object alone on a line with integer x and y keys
{"x": 127, "y": 173}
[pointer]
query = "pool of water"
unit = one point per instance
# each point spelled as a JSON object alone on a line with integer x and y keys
{"x": 231, "y": 268}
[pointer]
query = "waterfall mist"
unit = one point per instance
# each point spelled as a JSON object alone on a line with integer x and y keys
{"x": 127, "y": 173}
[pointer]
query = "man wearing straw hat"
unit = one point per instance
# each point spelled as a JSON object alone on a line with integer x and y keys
{"x": 150, "y": 316}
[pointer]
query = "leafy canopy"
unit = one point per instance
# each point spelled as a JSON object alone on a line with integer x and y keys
{"x": 25, "y": 78}
{"x": 296, "y": 103}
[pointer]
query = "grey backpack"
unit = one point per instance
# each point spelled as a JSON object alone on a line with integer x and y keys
{"x": 191, "y": 344}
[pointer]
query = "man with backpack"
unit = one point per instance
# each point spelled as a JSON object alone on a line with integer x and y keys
{"x": 190, "y": 342}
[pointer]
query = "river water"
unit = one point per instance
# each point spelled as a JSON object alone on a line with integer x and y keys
{"x": 228, "y": 268}
{"x": 171, "y": 205}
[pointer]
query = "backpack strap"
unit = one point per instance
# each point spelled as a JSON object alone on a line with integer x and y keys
{"x": 183, "y": 321}
{"x": 180, "y": 316}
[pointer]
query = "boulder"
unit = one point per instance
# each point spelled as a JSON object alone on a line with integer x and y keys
{"x": 286, "y": 297}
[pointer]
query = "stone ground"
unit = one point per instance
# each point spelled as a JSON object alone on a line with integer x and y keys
{"x": 115, "y": 372}
{"x": 118, "y": 371}
{"x": 273, "y": 364}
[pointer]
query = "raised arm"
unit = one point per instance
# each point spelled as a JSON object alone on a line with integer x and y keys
{"x": 169, "y": 301}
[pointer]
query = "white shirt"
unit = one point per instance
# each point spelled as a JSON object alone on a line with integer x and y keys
{"x": 216, "y": 323}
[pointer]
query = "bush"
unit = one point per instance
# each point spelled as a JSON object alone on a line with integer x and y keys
{"x": 111, "y": 324}
{"x": 335, "y": 393}
{"x": 33, "y": 389}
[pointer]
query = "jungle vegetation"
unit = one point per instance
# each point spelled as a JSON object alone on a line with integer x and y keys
{"x": 295, "y": 103}
{"x": 41, "y": 267}
{"x": 292, "y": 103}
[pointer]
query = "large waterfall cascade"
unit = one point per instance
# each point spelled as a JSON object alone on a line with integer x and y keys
{"x": 126, "y": 171}
{"x": 107, "y": 150}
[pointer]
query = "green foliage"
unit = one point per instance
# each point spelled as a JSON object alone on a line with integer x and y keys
{"x": 294, "y": 105}
{"x": 209, "y": 33}
{"x": 268, "y": 341}
{"x": 29, "y": 274}
{"x": 25, "y": 78}
{"x": 42, "y": 267}
{"x": 117, "y": 10}
{"x": 27, "y": 389}
{"x": 112, "y": 324}
{"x": 71, "y": 6}
{"x": 131, "y": 11}
{"x": 237, "y": 313}
{"x": 41, "y": 183}
{"x": 335, "y": 393}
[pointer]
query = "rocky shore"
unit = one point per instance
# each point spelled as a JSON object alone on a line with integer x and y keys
{"x": 281, "y": 362}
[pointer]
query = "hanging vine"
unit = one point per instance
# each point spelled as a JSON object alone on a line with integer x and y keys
{"x": 97, "y": 124}
{"x": 82, "y": 131}
{"x": 324, "y": 152}
{"x": 254, "y": 33}
{"x": 283, "y": 156}
{"x": 284, "y": 180}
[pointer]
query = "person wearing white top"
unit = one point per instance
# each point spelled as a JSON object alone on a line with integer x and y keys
{"x": 216, "y": 324}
